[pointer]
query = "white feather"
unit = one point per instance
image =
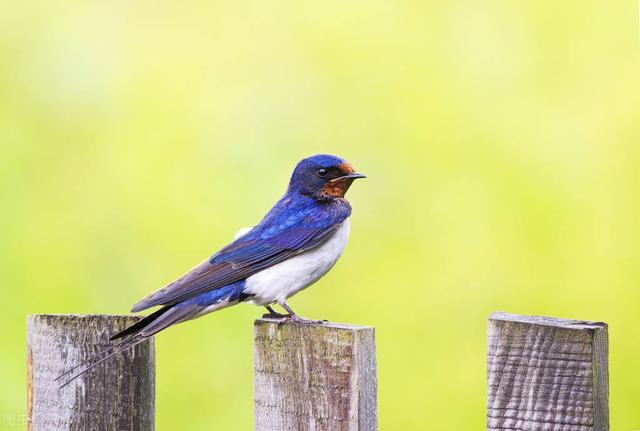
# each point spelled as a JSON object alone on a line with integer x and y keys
{"x": 287, "y": 278}
{"x": 242, "y": 232}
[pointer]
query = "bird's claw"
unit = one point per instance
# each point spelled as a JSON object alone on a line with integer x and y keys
{"x": 291, "y": 317}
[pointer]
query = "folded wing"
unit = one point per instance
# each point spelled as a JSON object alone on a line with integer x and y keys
{"x": 244, "y": 257}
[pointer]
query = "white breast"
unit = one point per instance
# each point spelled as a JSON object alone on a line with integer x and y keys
{"x": 287, "y": 278}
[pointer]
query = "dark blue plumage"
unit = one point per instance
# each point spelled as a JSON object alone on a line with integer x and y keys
{"x": 296, "y": 223}
{"x": 231, "y": 292}
{"x": 302, "y": 223}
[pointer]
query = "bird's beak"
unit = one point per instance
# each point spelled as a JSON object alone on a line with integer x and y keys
{"x": 352, "y": 176}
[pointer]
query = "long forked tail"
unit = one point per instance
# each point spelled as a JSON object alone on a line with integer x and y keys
{"x": 154, "y": 323}
{"x": 95, "y": 360}
{"x": 131, "y": 337}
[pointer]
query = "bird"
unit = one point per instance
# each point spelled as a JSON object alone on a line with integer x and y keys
{"x": 295, "y": 244}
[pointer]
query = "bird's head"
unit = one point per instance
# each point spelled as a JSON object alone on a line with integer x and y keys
{"x": 323, "y": 177}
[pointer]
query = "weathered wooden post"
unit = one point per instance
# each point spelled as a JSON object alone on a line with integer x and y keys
{"x": 314, "y": 377}
{"x": 546, "y": 374}
{"x": 116, "y": 395}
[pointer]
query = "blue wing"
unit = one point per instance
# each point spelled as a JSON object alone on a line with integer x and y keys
{"x": 282, "y": 234}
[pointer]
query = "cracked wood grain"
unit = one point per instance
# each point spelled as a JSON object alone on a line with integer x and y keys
{"x": 546, "y": 374}
{"x": 116, "y": 395}
{"x": 314, "y": 377}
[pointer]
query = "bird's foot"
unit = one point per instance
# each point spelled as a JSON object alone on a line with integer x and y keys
{"x": 273, "y": 314}
{"x": 295, "y": 318}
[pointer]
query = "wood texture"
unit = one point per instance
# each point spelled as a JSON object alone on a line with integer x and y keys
{"x": 116, "y": 395}
{"x": 314, "y": 377}
{"x": 546, "y": 374}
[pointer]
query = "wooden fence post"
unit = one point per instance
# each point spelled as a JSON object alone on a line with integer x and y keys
{"x": 117, "y": 395}
{"x": 314, "y": 377}
{"x": 546, "y": 374}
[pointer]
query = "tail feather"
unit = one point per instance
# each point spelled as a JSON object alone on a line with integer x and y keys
{"x": 126, "y": 344}
{"x": 134, "y": 335}
{"x": 176, "y": 314}
{"x": 155, "y": 322}
{"x": 89, "y": 359}
{"x": 141, "y": 324}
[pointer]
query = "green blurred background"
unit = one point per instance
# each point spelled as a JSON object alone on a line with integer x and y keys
{"x": 501, "y": 139}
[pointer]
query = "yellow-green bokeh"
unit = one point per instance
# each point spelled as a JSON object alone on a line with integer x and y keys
{"x": 501, "y": 139}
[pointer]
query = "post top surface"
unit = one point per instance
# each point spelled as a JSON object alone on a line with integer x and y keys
{"x": 80, "y": 316}
{"x": 547, "y": 321}
{"x": 328, "y": 325}
{"x": 76, "y": 318}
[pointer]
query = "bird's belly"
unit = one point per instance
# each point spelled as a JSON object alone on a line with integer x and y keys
{"x": 285, "y": 279}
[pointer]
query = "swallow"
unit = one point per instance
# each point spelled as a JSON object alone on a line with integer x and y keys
{"x": 296, "y": 243}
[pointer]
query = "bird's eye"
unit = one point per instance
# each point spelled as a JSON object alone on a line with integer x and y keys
{"x": 322, "y": 172}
